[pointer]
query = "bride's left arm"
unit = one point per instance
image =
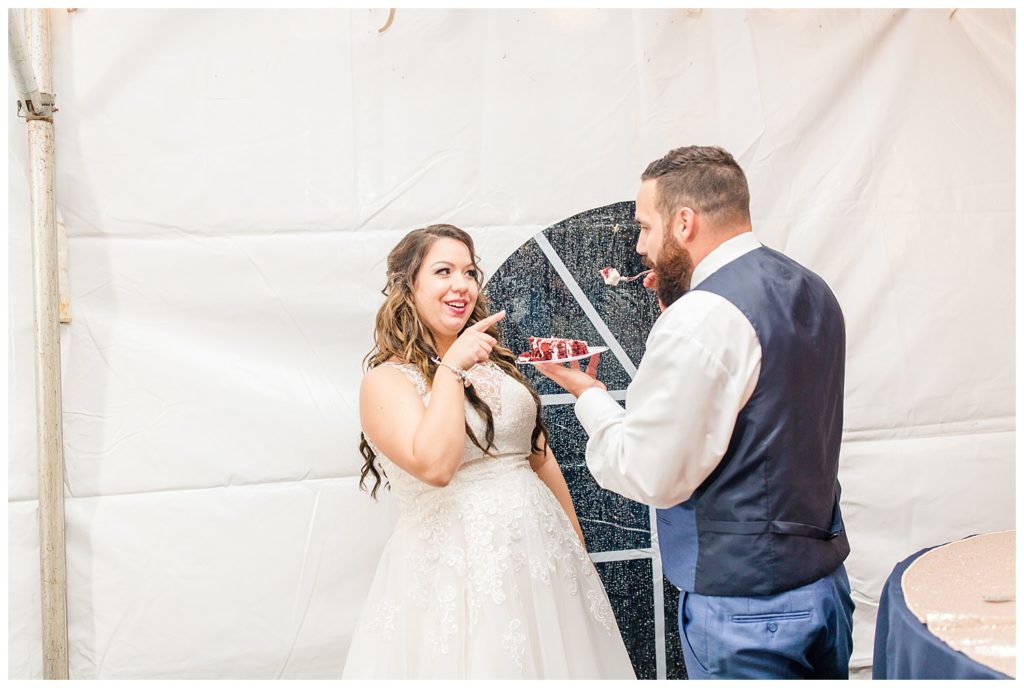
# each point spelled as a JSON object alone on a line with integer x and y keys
{"x": 546, "y": 467}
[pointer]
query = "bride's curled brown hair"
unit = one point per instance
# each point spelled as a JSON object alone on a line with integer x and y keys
{"x": 400, "y": 335}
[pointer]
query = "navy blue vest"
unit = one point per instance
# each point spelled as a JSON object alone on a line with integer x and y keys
{"x": 767, "y": 519}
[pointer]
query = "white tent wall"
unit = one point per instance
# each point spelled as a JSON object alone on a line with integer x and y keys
{"x": 231, "y": 182}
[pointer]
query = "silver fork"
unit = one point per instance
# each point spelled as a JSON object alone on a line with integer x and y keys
{"x": 634, "y": 277}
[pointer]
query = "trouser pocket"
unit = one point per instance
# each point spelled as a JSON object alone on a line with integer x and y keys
{"x": 693, "y": 635}
{"x": 770, "y": 616}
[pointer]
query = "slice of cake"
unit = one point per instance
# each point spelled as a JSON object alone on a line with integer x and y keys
{"x": 551, "y": 348}
{"x": 610, "y": 276}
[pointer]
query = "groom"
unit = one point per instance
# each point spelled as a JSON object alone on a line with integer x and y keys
{"x": 732, "y": 428}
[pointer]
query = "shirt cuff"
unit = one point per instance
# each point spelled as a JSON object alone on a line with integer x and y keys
{"x": 594, "y": 407}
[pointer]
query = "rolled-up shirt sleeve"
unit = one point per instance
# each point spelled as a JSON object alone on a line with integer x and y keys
{"x": 699, "y": 370}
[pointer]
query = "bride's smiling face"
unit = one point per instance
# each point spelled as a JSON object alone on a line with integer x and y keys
{"x": 445, "y": 289}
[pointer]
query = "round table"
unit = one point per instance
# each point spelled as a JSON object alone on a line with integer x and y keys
{"x": 905, "y": 647}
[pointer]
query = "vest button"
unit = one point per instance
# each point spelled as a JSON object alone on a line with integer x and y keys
{"x": 772, "y": 626}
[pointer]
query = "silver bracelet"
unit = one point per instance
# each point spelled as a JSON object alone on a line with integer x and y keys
{"x": 461, "y": 374}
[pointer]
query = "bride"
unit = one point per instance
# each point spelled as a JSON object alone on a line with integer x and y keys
{"x": 486, "y": 574}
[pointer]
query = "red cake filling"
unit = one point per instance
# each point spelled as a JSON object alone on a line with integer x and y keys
{"x": 550, "y": 348}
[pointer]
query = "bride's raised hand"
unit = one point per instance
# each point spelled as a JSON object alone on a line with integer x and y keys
{"x": 474, "y": 345}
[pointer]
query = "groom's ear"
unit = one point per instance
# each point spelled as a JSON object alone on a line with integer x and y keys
{"x": 683, "y": 224}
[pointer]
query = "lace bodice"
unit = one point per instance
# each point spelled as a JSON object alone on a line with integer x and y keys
{"x": 514, "y": 412}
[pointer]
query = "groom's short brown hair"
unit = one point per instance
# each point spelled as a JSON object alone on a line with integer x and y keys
{"x": 705, "y": 178}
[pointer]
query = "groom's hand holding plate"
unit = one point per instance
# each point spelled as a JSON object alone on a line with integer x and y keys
{"x": 571, "y": 377}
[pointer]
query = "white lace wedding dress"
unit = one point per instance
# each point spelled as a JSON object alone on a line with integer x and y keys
{"x": 485, "y": 578}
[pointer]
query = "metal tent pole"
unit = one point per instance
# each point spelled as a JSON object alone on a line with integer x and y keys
{"x": 34, "y": 80}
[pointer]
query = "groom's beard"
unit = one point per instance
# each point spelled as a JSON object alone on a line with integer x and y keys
{"x": 674, "y": 270}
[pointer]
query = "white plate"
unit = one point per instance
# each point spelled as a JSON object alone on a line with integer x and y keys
{"x": 591, "y": 350}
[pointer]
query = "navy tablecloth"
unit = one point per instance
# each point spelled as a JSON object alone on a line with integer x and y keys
{"x": 906, "y": 649}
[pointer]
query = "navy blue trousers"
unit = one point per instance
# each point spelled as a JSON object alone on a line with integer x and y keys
{"x": 806, "y": 632}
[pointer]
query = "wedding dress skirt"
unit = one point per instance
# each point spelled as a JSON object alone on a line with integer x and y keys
{"x": 486, "y": 577}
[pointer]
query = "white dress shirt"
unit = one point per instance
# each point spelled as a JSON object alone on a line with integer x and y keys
{"x": 702, "y": 362}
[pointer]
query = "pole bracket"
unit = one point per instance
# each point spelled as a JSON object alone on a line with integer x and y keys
{"x": 43, "y": 109}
